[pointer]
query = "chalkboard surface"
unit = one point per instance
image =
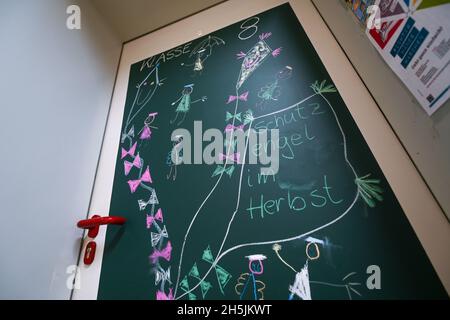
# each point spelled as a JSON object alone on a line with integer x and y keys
{"x": 325, "y": 226}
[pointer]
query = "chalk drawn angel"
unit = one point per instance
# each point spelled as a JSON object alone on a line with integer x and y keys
{"x": 272, "y": 91}
{"x": 146, "y": 132}
{"x": 178, "y": 158}
{"x": 202, "y": 52}
{"x": 185, "y": 102}
{"x": 301, "y": 288}
{"x": 247, "y": 282}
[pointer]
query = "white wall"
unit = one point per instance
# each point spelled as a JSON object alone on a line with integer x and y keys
{"x": 55, "y": 89}
{"x": 132, "y": 18}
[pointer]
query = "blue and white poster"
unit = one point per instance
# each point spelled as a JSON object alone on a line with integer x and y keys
{"x": 413, "y": 37}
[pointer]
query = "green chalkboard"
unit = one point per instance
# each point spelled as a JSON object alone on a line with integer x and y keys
{"x": 325, "y": 226}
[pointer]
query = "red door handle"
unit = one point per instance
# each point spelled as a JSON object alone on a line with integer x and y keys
{"x": 98, "y": 221}
{"x": 94, "y": 223}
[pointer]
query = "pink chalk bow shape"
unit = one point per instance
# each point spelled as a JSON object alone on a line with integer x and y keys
{"x": 129, "y": 165}
{"x": 276, "y": 52}
{"x": 158, "y": 216}
{"x": 164, "y": 253}
{"x": 146, "y": 177}
{"x": 146, "y": 133}
{"x": 233, "y": 157}
{"x": 129, "y": 152}
{"x": 160, "y": 295}
{"x": 241, "y": 55}
{"x": 265, "y": 35}
{"x": 231, "y": 128}
{"x": 242, "y": 97}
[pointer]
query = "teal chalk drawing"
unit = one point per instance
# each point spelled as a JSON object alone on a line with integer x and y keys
{"x": 272, "y": 91}
{"x": 222, "y": 276}
{"x": 322, "y": 87}
{"x": 369, "y": 190}
{"x": 184, "y": 103}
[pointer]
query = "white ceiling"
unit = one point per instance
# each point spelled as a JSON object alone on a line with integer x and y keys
{"x": 133, "y": 18}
